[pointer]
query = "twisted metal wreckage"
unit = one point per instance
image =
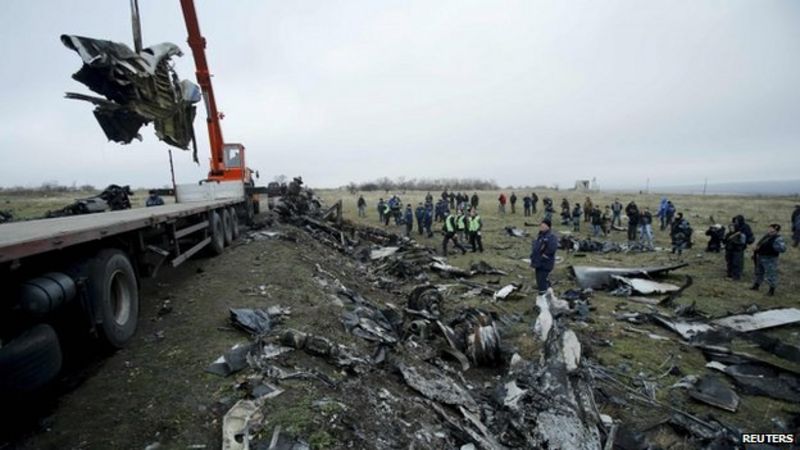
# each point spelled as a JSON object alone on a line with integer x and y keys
{"x": 431, "y": 345}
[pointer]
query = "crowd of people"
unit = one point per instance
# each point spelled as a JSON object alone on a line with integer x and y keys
{"x": 462, "y": 223}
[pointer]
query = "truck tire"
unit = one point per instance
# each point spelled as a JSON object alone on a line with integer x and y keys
{"x": 234, "y": 223}
{"x": 113, "y": 292}
{"x": 30, "y": 361}
{"x": 227, "y": 226}
{"x": 217, "y": 245}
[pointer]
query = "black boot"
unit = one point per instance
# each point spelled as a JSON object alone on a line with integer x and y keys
{"x": 754, "y": 287}
{"x": 771, "y": 291}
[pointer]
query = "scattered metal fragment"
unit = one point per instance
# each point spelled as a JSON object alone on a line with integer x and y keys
{"x": 516, "y": 232}
{"x": 253, "y": 321}
{"x": 139, "y": 88}
{"x": 756, "y": 377}
{"x": 383, "y": 252}
{"x": 482, "y": 267}
{"x": 571, "y": 348}
{"x": 505, "y": 291}
{"x": 713, "y": 391}
{"x": 435, "y": 385}
{"x": 231, "y": 361}
{"x": 236, "y": 425}
{"x": 600, "y": 277}
{"x": 449, "y": 270}
{"x": 685, "y": 329}
{"x": 645, "y": 287}
{"x": 760, "y": 320}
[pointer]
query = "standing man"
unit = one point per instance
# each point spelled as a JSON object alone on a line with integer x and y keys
{"x": 419, "y": 213}
{"x": 588, "y": 206}
{"x": 662, "y": 213}
{"x": 429, "y": 219}
{"x": 597, "y": 221}
{"x": 534, "y": 201}
{"x": 452, "y": 199}
{"x": 449, "y": 229}
{"x": 735, "y": 243}
{"x": 474, "y": 225}
{"x": 681, "y": 234}
{"x": 387, "y": 213}
{"x": 670, "y": 212}
{"x": 765, "y": 256}
{"x": 513, "y": 200}
{"x": 461, "y": 225}
{"x": 632, "y": 211}
{"x": 526, "y": 205}
{"x": 606, "y": 220}
{"x": 576, "y": 217}
{"x": 474, "y": 200}
{"x": 154, "y": 199}
{"x": 381, "y": 209}
{"x": 543, "y": 255}
{"x": 429, "y": 198}
{"x": 408, "y": 218}
{"x": 715, "y": 233}
{"x": 646, "y": 229}
{"x": 501, "y": 208}
{"x": 616, "y": 211}
{"x": 362, "y": 206}
{"x": 796, "y": 225}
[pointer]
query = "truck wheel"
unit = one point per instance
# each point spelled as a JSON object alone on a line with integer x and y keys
{"x": 234, "y": 223}
{"x": 217, "y": 245}
{"x": 30, "y": 360}
{"x": 114, "y": 293}
{"x": 227, "y": 225}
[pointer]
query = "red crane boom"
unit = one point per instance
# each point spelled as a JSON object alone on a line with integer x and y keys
{"x": 227, "y": 160}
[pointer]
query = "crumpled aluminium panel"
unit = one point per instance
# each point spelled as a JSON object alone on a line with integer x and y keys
{"x": 137, "y": 89}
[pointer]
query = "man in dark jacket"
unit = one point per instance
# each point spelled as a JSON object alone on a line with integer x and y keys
{"x": 543, "y": 255}
{"x": 766, "y": 255}
{"x": 513, "y": 201}
{"x": 429, "y": 220}
{"x": 526, "y": 206}
{"x": 576, "y": 217}
{"x": 632, "y": 211}
{"x": 597, "y": 222}
{"x": 796, "y": 226}
{"x": 715, "y": 235}
{"x": 616, "y": 209}
{"x": 534, "y": 201}
{"x": 419, "y": 213}
{"x": 408, "y": 219}
{"x": 155, "y": 200}
{"x": 474, "y": 200}
{"x": 735, "y": 243}
{"x": 681, "y": 234}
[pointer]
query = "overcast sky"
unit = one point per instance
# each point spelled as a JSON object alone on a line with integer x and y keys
{"x": 525, "y": 92}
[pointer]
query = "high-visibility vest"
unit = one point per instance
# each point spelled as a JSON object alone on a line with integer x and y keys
{"x": 461, "y": 224}
{"x": 449, "y": 224}
{"x": 475, "y": 223}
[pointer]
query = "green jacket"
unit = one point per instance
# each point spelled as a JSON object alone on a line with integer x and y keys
{"x": 461, "y": 222}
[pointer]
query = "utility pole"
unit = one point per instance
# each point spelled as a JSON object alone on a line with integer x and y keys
{"x": 705, "y": 186}
{"x": 647, "y": 186}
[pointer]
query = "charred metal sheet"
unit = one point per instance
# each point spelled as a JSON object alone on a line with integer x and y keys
{"x": 516, "y": 232}
{"x": 755, "y": 376}
{"x": 505, "y": 291}
{"x": 646, "y": 287}
{"x": 715, "y": 392}
{"x": 686, "y": 329}
{"x": 775, "y": 346}
{"x": 482, "y": 267}
{"x": 231, "y": 361}
{"x": 139, "y": 88}
{"x": 435, "y": 385}
{"x": 600, "y": 277}
{"x": 760, "y": 320}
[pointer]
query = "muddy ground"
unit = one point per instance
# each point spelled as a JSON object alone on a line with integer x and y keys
{"x": 157, "y": 391}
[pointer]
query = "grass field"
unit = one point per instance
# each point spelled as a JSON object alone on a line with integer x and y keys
{"x": 31, "y": 205}
{"x": 712, "y": 292}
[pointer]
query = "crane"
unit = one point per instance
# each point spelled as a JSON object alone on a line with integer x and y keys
{"x": 227, "y": 159}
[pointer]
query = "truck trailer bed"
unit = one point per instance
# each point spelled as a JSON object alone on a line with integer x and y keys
{"x": 21, "y": 239}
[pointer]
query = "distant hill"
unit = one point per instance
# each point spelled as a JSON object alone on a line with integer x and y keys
{"x": 777, "y": 187}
